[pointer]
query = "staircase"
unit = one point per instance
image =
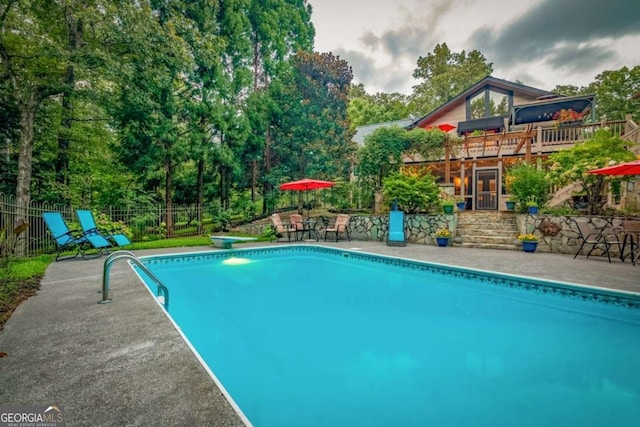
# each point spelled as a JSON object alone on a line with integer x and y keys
{"x": 487, "y": 229}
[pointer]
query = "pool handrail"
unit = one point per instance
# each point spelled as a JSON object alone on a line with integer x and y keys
{"x": 131, "y": 257}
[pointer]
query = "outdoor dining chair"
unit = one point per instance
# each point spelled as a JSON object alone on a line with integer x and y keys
{"x": 604, "y": 238}
{"x": 297, "y": 222}
{"x": 341, "y": 225}
{"x": 282, "y": 228}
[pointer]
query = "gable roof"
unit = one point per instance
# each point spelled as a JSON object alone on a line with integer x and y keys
{"x": 487, "y": 81}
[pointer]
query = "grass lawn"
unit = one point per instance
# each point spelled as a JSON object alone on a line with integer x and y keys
{"x": 18, "y": 281}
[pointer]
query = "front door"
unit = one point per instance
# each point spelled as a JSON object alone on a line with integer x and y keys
{"x": 487, "y": 189}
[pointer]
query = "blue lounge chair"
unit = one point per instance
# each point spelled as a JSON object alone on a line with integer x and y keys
{"x": 90, "y": 228}
{"x": 68, "y": 240}
{"x": 396, "y": 236}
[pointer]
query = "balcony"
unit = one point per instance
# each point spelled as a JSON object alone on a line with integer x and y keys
{"x": 531, "y": 141}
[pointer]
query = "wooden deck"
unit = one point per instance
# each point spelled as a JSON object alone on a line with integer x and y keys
{"x": 529, "y": 142}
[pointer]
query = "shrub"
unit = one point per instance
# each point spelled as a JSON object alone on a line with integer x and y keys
{"x": 526, "y": 182}
{"x": 411, "y": 191}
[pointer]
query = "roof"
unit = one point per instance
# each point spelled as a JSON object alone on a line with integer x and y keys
{"x": 363, "y": 131}
{"x": 487, "y": 81}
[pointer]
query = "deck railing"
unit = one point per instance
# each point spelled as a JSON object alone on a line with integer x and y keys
{"x": 542, "y": 140}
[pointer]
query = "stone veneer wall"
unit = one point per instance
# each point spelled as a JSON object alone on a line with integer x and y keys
{"x": 567, "y": 240}
{"x": 421, "y": 228}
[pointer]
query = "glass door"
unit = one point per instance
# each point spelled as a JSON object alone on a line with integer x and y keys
{"x": 487, "y": 189}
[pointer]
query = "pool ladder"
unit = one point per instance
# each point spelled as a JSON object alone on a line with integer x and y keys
{"x": 162, "y": 289}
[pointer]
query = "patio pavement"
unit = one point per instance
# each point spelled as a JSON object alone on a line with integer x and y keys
{"x": 124, "y": 363}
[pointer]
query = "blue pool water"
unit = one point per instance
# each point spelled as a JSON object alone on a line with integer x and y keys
{"x": 310, "y": 336}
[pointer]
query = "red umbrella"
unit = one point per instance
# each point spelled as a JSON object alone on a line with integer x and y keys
{"x": 306, "y": 184}
{"x": 444, "y": 127}
{"x": 629, "y": 168}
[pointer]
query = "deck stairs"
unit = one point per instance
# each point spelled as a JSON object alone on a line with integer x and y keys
{"x": 487, "y": 229}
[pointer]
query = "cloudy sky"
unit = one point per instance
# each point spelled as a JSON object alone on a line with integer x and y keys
{"x": 542, "y": 43}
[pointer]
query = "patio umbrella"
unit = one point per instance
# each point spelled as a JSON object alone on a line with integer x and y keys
{"x": 444, "y": 127}
{"x": 305, "y": 185}
{"x": 628, "y": 168}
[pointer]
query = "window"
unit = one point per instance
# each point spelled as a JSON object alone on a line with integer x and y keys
{"x": 489, "y": 102}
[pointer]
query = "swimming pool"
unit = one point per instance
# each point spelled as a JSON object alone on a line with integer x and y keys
{"x": 316, "y": 336}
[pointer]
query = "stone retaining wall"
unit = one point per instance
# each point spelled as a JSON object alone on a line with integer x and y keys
{"x": 558, "y": 234}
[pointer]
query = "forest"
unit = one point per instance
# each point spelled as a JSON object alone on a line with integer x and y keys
{"x": 149, "y": 102}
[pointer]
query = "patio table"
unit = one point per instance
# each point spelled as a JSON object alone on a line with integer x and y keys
{"x": 309, "y": 226}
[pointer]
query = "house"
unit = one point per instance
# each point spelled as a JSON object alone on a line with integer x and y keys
{"x": 495, "y": 123}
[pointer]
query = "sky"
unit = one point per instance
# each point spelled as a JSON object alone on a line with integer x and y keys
{"x": 542, "y": 43}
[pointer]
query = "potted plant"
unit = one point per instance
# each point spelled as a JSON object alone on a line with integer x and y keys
{"x": 532, "y": 205}
{"x": 447, "y": 205}
{"x": 529, "y": 242}
{"x": 442, "y": 237}
{"x": 511, "y": 204}
{"x": 461, "y": 203}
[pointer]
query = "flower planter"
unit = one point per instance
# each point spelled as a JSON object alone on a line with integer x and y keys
{"x": 570, "y": 124}
{"x": 529, "y": 246}
{"x": 511, "y": 206}
{"x": 461, "y": 205}
{"x": 533, "y": 210}
{"x": 442, "y": 241}
{"x": 448, "y": 209}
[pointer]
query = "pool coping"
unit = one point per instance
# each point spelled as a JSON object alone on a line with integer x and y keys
{"x": 622, "y": 298}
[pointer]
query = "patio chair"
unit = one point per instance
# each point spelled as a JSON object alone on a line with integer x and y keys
{"x": 67, "y": 239}
{"x": 605, "y": 238}
{"x": 282, "y": 228}
{"x": 297, "y": 222}
{"x": 396, "y": 235}
{"x": 631, "y": 234}
{"x": 90, "y": 228}
{"x": 341, "y": 225}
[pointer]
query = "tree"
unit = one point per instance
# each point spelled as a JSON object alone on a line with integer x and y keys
{"x": 279, "y": 28}
{"x": 385, "y": 148}
{"x": 366, "y": 109}
{"x": 571, "y": 165}
{"x": 615, "y": 92}
{"x": 445, "y": 74}
{"x": 151, "y": 107}
{"x": 570, "y": 90}
{"x": 33, "y": 63}
{"x": 311, "y": 135}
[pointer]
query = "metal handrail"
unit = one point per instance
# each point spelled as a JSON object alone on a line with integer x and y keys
{"x": 130, "y": 256}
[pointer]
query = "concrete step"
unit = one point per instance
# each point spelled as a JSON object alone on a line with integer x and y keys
{"x": 488, "y": 226}
{"x": 511, "y": 233}
{"x": 488, "y": 246}
{"x": 501, "y": 240}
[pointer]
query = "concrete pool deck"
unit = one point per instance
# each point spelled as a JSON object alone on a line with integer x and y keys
{"x": 124, "y": 363}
